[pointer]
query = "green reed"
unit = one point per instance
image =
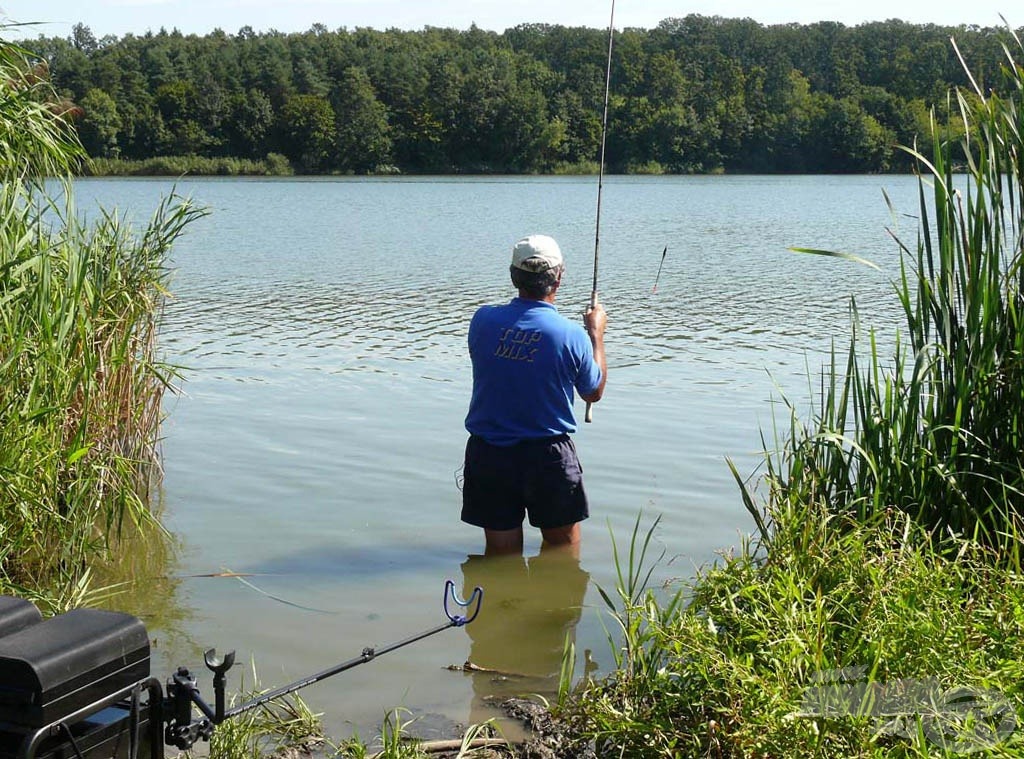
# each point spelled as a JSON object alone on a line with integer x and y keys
{"x": 80, "y": 380}
{"x": 937, "y": 429}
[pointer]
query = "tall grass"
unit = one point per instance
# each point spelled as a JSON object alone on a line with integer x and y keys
{"x": 936, "y": 430}
{"x": 80, "y": 381}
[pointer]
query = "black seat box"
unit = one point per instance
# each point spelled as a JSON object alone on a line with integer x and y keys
{"x": 53, "y": 668}
{"x": 106, "y": 734}
{"x": 17, "y": 614}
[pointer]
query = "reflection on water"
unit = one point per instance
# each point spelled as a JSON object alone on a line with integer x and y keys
{"x": 530, "y": 610}
{"x": 140, "y": 576}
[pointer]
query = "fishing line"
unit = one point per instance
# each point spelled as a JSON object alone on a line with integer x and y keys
{"x": 589, "y": 416}
{"x": 241, "y": 577}
{"x": 284, "y": 601}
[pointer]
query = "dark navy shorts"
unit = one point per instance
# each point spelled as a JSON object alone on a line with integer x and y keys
{"x": 542, "y": 478}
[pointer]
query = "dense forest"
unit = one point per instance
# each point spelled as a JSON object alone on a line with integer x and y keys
{"x": 694, "y": 94}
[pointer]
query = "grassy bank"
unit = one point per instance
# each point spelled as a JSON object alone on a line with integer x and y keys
{"x": 80, "y": 381}
{"x": 845, "y": 639}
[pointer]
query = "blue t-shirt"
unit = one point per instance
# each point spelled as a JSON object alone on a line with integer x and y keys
{"x": 527, "y": 360}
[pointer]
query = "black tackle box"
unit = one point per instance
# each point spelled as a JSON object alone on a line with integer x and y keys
{"x": 50, "y": 669}
{"x": 106, "y": 734}
{"x": 17, "y": 614}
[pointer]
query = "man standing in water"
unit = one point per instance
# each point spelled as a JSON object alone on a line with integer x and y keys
{"x": 527, "y": 361}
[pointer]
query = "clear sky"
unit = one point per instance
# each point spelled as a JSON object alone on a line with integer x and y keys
{"x": 120, "y": 17}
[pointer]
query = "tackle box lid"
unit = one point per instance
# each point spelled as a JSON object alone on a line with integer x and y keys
{"x": 17, "y": 614}
{"x": 55, "y": 667}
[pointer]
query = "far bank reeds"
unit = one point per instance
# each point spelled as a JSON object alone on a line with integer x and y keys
{"x": 80, "y": 380}
{"x": 274, "y": 164}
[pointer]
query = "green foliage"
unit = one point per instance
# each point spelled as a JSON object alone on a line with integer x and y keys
{"x": 695, "y": 94}
{"x": 305, "y": 128}
{"x": 99, "y": 124}
{"x": 935, "y": 430}
{"x": 80, "y": 386}
{"x": 277, "y": 165}
{"x": 363, "y": 140}
{"x": 248, "y": 123}
{"x": 178, "y": 106}
{"x": 871, "y": 607}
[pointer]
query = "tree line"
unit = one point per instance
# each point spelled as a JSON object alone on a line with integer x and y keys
{"x": 694, "y": 94}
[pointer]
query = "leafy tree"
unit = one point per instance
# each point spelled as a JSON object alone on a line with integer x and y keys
{"x": 99, "y": 124}
{"x": 249, "y": 123}
{"x": 579, "y": 127}
{"x": 265, "y": 65}
{"x": 83, "y": 39}
{"x": 179, "y": 106}
{"x": 305, "y": 131}
{"x": 363, "y": 141}
{"x": 848, "y": 140}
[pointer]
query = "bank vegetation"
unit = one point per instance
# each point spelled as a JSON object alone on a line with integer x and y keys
{"x": 80, "y": 377}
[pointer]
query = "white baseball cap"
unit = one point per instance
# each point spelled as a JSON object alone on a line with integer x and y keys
{"x": 536, "y": 253}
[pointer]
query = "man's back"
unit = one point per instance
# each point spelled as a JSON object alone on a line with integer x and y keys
{"x": 527, "y": 361}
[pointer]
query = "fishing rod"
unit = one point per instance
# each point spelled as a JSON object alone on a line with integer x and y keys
{"x": 183, "y": 731}
{"x": 79, "y": 685}
{"x": 655, "y": 288}
{"x": 589, "y": 415}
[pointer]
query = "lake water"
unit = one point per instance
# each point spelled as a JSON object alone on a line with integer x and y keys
{"x": 317, "y": 439}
